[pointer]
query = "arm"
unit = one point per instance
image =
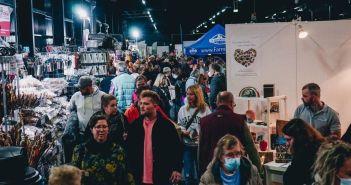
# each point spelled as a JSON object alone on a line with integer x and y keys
{"x": 335, "y": 126}
{"x": 250, "y": 148}
{"x": 112, "y": 89}
{"x": 213, "y": 92}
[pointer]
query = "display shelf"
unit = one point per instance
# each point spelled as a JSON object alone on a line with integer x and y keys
{"x": 267, "y": 116}
{"x": 40, "y": 12}
{"x": 69, "y": 20}
{"x": 92, "y": 64}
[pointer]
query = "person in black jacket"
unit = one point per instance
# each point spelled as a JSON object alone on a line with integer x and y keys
{"x": 153, "y": 147}
{"x": 118, "y": 124}
{"x": 218, "y": 83}
{"x": 303, "y": 142}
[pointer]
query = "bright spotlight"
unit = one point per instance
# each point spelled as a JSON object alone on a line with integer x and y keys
{"x": 135, "y": 33}
{"x": 82, "y": 13}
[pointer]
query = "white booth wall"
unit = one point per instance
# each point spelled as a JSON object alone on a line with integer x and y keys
{"x": 282, "y": 59}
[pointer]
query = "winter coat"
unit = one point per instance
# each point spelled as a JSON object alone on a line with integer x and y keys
{"x": 218, "y": 84}
{"x": 85, "y": 106}
{"x": 123, "y": 86}
{"x": 103, "y": 164}
{"x": 166, "y": 150}
{"x": 248, "y": 173}
{"x": 216, "y": 125}
{"x": 105, "y": 84}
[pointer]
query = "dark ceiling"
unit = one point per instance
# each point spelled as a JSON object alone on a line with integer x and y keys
{"x": 172, "y": 16}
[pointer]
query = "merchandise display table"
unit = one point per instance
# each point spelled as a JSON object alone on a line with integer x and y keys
{"x": 274, "y": 172}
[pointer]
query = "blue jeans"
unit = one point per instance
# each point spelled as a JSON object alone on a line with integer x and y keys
{"x": 191, "y": 170}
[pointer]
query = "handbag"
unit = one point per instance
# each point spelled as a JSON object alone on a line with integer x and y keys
{"x": 189, "y": 140}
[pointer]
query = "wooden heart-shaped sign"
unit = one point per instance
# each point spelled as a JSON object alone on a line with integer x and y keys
{"x": 245, "y": 58}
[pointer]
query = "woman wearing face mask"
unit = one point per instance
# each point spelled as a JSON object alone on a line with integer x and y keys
{"x": 229, "y": 166}
{"x": 102, "y": 161}
{"x": 333, "y": 164}
{"x": 303, "y": 142}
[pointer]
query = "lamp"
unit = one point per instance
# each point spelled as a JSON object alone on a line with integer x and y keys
{"x": 136, "y": 35}
{"x": 302, "y": 33}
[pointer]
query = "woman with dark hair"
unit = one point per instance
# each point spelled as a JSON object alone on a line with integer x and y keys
{"x": 118, "y": 124}
{"x": 303, "y": 142}
{"x": 102, "y": 161}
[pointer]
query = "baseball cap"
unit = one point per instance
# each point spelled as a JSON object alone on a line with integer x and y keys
{"x": 84, "y": 81}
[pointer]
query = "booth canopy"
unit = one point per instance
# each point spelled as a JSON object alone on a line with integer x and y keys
{"x": 213, "y": 42}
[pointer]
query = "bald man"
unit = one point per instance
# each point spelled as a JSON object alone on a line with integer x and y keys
{"x": 219, "y": 123}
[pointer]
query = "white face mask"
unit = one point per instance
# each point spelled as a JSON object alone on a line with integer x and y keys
{"x": 345, "y": 181}
{"x": 174, "y": 75}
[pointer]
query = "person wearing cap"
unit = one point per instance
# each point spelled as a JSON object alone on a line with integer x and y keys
{"x": 86, "y": 101}
{"x": 122, "y": 86}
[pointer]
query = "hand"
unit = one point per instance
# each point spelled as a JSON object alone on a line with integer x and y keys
{"x": 175, "y": 177}
{"x": 186, "y": 133}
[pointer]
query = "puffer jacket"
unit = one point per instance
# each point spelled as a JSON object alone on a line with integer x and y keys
{"x": 248, "y": 173}
{"x": 123, "y": 86}
{"x": 85, "y": 106}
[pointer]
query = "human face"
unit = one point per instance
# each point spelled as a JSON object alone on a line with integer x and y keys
{"x": 345, "y": 171}
{"x": 290, "y": 141}
{"x": 231, "y": 159}
{"x": 111, "y": 108}
{"x": 191, "y": 98}
{"x": 86, "y": 90}
{"x": 100, "y": 131}
{"x": 307, "y": 98}
{"x": 233, "y": 152}
{"x": 147, "y": 107}
{"x": 140, "y": 83}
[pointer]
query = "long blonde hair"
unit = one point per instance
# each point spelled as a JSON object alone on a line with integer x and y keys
{"x": 199, "y": 98}
{"x": 159, "y": 79}
{"x": 331, "y": 157}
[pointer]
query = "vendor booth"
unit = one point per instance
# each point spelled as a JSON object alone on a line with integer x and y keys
{"x": 276, "y": 54}
{"x": 211, "y": 43}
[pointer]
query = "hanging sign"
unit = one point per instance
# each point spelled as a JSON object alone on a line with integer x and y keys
{"x": 5, "y": 21}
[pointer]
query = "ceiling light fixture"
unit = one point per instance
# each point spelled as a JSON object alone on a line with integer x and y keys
{"x": 144, "y": 2}
{"x": 235, "y": 6}
{"x": 223, "y": 10}
{"x": 302, "y": 33}
{"x": 213, "y": 22}
{"x": 218, "y": 13}
{"x": 284, "y": 11}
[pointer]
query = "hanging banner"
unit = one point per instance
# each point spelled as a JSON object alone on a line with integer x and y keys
{"x": 5, "y": 21}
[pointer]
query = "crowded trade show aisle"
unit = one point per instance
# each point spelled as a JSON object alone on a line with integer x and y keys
{"x": 91, "y": 95}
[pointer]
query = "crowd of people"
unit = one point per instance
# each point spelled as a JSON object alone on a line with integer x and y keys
{"x": 168, "y": 121}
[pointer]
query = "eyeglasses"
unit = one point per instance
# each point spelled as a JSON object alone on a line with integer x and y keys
{"x": 233, "y": 154}
{"x": 101, "y": 127}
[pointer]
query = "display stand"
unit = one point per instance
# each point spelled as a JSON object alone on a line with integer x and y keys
{"x": 5, "y": 60}
{"x": 94, "y": 62}
{"x": 270, "y": 111}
